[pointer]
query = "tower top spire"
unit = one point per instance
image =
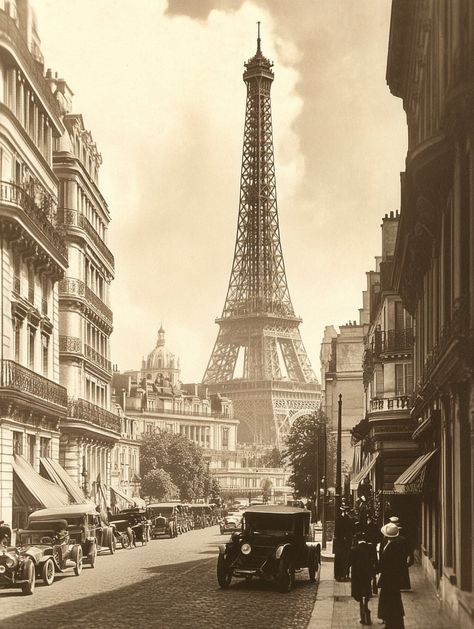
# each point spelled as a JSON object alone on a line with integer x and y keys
{"x": 258, "y": 39}
{"x": 258, "y": 66}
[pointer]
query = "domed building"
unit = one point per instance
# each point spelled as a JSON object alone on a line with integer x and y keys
{"x": 161, "y": 365}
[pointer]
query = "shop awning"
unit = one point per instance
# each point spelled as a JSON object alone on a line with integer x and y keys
{"x": 139, "y": 502}
{"x": 116, "y": 494}
{"x": 364, "y": 471}
{"x": 412, "y": 479}
{"x": 32, "y": 490}
{"x": 58, "y": 475}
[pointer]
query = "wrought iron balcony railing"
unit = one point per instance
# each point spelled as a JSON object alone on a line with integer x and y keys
{"x": 19, "y": 378}
{"x": 74, "y": 218}
{"x": 73, "y": 345}
{"x": 188, "y": 413}
{"x": 71, "y": 286}
{"x": 98, "y": 359}
{"x": 11, "y": 194}
{"x": 83, "y": 410}
{"x": 398, "y": 403}
{"x": 392, "y": 341}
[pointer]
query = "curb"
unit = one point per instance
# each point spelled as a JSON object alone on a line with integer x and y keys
{"x": 321, "y": 616}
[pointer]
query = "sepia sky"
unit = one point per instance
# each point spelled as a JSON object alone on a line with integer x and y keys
{"x": 160, "y": 87}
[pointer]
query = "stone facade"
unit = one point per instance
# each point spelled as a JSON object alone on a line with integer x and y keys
{"x": 431, "y": 68}
{"x": 33, "y": 258}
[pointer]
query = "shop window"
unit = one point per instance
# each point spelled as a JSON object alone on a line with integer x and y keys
{"x": 17, "y": 442}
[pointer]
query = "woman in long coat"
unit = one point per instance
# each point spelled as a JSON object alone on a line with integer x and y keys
{"x": 391, "y": 567}
{"x": 363, "y": 562}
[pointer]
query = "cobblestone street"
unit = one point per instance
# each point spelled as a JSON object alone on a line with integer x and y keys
{"x": 168, "y": 583}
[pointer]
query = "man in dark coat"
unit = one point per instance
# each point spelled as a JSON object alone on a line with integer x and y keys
{"x": 363, "y": 562}
{"x": 391, "y": 566}
{"x": 342, "y": 544}
{"x": 407, "y": 550}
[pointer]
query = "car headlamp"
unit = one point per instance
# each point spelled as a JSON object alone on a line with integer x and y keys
{"x": 246, "y": 549}
{"x": 2, "y": 569}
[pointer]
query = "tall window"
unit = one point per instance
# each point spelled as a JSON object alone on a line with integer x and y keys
{"x": 31, "y": 285}
{"x": 17, "y": 274}
{"x": 399, "y": 319}
{"x": 45, "y": 353}
{"x": 225, "y": 438}
{"x": 379, "y": 385}
{"x": 17, "y": 442}
{"x": 403, "y": 379}
{"x": 31, "y": 441}
{"x": 44, "y": 296}
{"x": 45, "y": 447}
{"x": 31, "y": 347}
{"x": 17, "y": 339}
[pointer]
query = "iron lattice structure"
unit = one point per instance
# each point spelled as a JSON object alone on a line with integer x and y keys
{"x": 259, "y": 359}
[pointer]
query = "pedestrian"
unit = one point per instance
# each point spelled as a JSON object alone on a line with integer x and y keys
{"x": 391, "y": 566}
{"x": 407, "y": 550}
{"x": 363, "y": 563}
{"x": 343, "y": 529}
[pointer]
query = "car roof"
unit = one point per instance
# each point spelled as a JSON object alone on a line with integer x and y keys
{"x": 63, "y": 512}
{"x": 277, "y": 510}
{"x": 164, "y": 504}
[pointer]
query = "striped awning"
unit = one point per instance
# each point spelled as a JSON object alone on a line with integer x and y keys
{"x": 36, "y": 490}
{"x": 118, "y": 494}
{"x": 364, "y": 471}
{"x": 58, "y": 475}
{"x": 412, "y": 479}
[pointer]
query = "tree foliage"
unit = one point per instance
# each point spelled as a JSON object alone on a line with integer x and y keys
{"x": 181, "y": 459}
{"x": 274, "y": 458}
{"x": 304, "y": 452}
{"x": 157, "y": 484}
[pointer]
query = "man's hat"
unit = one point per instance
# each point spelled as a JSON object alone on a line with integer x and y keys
{"x": 394, "y": 519}
{"x": 390, "y": 530}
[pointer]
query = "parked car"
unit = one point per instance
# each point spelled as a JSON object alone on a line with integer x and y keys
{"x": 85, "y": 527}
{"x": 275, "y": 542}
{"x": 164, "y": 519}
{"x": 230, "y": 523}
{"x": 122, "y": 530}
{"x": 41, "y": 550}
{"x": 139, "y": 523}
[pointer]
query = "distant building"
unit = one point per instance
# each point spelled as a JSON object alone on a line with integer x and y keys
{"x": 125, "y": 465}
{"x": 384, "y": 434}
{"x": 341, "y": 374}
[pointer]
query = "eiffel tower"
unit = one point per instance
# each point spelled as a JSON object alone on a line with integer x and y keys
{"x": 259, "y": 359}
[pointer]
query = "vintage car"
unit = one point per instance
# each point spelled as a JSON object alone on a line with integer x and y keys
{"x": 230, "y": 522}
{"x": 41, "y": 550}
{"x": 122, "y": 530}
{"x": 85, "y": 527}
{"x": 201, "y": 515}
{"x": 139, "y": 524}
{"x": 164, "y": 519}
{"x": 275, "y": 542}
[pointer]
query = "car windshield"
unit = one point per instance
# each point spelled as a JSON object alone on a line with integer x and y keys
{"x": 166, "y": 511}
{"x": 35, "y": 537}
{"x": 269, "y": 524}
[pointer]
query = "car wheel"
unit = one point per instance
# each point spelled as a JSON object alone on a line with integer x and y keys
{"x": 125, "y": 542}
{"x": 224, "y": 576}
{"x": 47, "y": 572}
{"x": 312, "y": 565}
{"x": 76, "y": 556}
{"x": 29, "y": 574}
{"x": 285, "y": 575}
{"x": 93, "y": 556}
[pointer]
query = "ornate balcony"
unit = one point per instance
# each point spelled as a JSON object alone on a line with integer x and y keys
{"x": 98, "y": 359}
{"x": 74, "y": 218}
{"x": 399, "y": 403}
{"x": 40, "y": 219}
{"x": 85, "y": 411}
{"x": 18, "y": 378}
{"x": 77, "y": 288}
{"x": 73, "y": 345}
{"x": 393, "y": 342}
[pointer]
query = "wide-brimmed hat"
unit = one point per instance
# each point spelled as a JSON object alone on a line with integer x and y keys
{"x": 390, "y": 530}
{"x": 394, "y": 519}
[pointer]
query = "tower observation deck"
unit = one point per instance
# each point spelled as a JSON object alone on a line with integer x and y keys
{"x": 259, "y": 359}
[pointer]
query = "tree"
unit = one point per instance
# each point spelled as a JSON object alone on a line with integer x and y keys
{"x": 157, "y": 484}
{"x": 180, "y": 458}
{"x": 304, "y": 452}
{"x": 273, "y": 458}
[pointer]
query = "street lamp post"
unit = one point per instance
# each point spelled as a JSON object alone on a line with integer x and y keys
{"x": 324, "y": 485}
{"x": 338, "y": 455}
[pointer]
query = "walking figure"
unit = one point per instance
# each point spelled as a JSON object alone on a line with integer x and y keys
{"x": 391, "y": 567}
{"x": 343, "y": 529}
{"x": 363, "y": 562}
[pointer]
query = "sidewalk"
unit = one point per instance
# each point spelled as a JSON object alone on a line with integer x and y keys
{"x": 336, "y": 609}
